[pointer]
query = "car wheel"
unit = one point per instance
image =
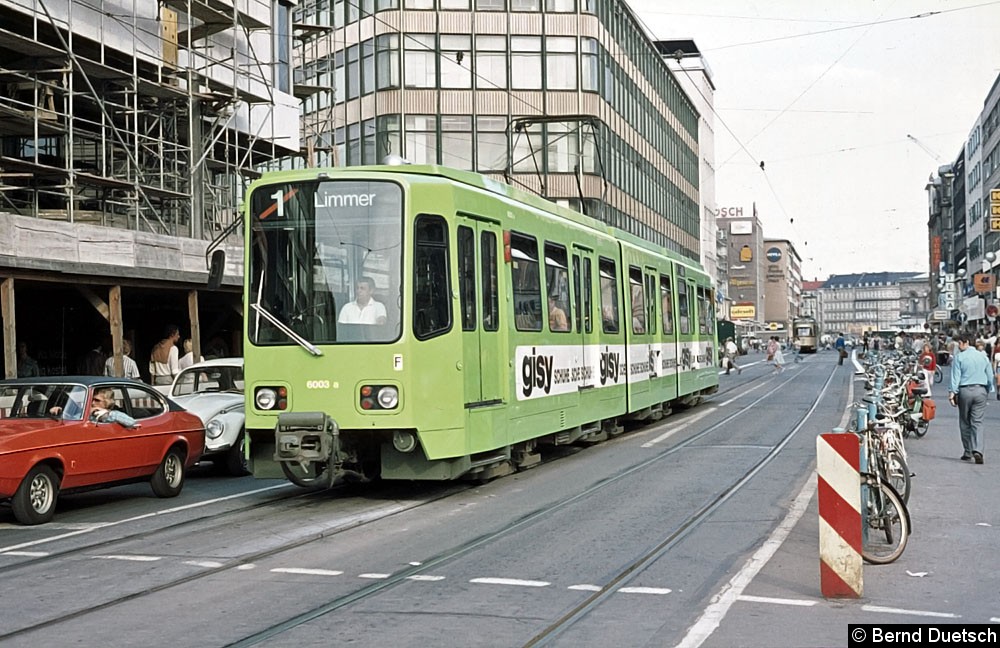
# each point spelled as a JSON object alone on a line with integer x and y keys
{"x": 35, "y": 499}
{"x": 236, "y": 461}
{"x": 168, "y": 480}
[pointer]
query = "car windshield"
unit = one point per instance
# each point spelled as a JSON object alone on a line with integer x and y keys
{"x": 197, "y": 380}
{"x": 43, "y": 401}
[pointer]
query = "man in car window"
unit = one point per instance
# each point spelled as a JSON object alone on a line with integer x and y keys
{"x": 74, "y": 408}
{"x": 102, "y": 409}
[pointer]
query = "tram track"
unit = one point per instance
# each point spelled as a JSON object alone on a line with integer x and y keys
{"x": 624, "y": 575}
{"x": 221, "y": 520}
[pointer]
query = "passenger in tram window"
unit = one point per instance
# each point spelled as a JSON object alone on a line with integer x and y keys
{"x": 365, "y": 309}
{"x": 557, "y": 316}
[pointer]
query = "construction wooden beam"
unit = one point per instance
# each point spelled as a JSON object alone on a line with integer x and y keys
{"x": 9, "y": 330}
{"x": 115, "y": 302}
{"x": 99, "y": 304}
{"x": 195, "y": 325}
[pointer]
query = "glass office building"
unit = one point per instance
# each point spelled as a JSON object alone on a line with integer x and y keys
{"x": 566, "y": 98}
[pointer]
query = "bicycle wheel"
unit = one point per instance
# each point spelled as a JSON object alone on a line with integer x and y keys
{"x": 886, "y": 527}
{"x": 897, "y": 473}
{"x": 938, "y": 375}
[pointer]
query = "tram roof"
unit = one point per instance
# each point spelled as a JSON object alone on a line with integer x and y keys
{"x": 487, "y": 183}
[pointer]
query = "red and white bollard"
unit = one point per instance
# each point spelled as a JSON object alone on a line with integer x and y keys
{"x": 838, "y": 460}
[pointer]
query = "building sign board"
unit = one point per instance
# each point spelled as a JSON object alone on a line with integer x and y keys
{"x": 741, "y": 227}
{"x": 773, "y": 254}
{"x": 746, "y": 254}
{"x": 742, "y": 311}
{"x": 995, "y": 210}
{"x": 983, "y": 282}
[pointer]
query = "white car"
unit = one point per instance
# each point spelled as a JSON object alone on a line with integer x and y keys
{"x": 213, "y": 391}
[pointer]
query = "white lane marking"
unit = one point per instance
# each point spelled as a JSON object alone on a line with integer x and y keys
{"x": 306, "y": 572}
{"x": 924, "y": 613}
{"x": 131, "y": 558}
{"x": 415, "y": 564}
{"x": 510, "y": 581}
{"x": 995, "y": 620}
{"x": 375, "y": 576}
{"x": 734, "y": 446}
{"x": 585, "y": 588}
{"x": 94, "y": 527}
{"x": 421, "y": 577}
{"x": 246, "y": 567}
{"x": 744, "y": 366}
{"x": 644, "y": 590}
{"x": 29, "y": 554}
{"x": 203, "y": 563}
{"x": 721, "y": 602}
{"x": 775, "y": 601}
{"x": 680, "y": 426}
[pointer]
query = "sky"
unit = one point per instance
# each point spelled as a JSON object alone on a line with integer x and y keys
{"x": 827, "y": 95}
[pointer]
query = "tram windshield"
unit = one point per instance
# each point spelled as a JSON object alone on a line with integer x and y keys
{"x": 325, "y": 263}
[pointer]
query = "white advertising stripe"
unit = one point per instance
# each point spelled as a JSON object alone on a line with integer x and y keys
{"x": 840, "y": 475}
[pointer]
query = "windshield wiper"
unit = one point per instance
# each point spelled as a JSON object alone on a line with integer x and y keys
{"x": 298, "y": 339}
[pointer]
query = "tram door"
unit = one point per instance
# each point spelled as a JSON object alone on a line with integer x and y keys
{"x": 582, "y": 325}
{"x": 483, "y": 369}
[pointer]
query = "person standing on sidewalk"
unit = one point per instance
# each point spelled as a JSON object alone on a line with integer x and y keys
{"x": 971, "y": 382}
{"x": 797, "y": 349}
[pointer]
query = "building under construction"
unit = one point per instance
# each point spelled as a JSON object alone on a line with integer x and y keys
{"x": 128, "y": 134}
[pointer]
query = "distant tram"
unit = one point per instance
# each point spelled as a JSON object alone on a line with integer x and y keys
{"x": 417, "y": 322}
{"x": 804, "y": 328}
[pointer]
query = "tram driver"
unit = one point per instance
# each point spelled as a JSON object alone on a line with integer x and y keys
{"x": 365, "y": 309}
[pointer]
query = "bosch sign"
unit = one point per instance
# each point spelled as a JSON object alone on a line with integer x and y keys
{"x": 773, "y": 254}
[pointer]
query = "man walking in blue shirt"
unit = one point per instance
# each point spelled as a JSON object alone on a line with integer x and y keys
{"x": 971, "y": 382}
{"x": 841, "y": 347}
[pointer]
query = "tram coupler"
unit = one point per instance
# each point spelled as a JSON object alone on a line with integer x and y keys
{"x": 305, "y": 438}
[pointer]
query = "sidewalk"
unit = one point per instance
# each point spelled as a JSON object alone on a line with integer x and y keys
{"x": 948, "y": 573}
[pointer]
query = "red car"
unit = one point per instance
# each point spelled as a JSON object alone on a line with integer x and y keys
{"x": 68, "y": 433}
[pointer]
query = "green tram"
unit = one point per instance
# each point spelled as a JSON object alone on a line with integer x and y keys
{"x": 418, "y": 322}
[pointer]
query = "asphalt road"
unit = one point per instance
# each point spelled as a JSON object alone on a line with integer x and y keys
{"x": 655, "y": 538}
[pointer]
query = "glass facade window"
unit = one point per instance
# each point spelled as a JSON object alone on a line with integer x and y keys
{"x": 560, "y": 63}
{"x": 525, "y": 5}
{"x": 387, "y": 61}
{"x": 562, "y": 152}
{"x": 590, "y": 65}
{"x": 560, "y": 6}
{"x": 420, "y": 143}
{"x": 456, "y": 61}
{"x": 353, "y": 72}
{"x": 526, "y": 59}
{"x": 490, "y": 5}
{"x": 368, "y": 66}
{"x": 456, "y": 141}
{"x": 491, "y": 62}
{"x": 455, "y": 5}
{"x": 419, "y": 61}
{"x": 418, "y": 4}
{"x": 491, "y": 144}
{"x": 527, "y": 149}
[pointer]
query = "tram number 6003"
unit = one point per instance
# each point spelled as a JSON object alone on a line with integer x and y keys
{"x": 317, "y": 384}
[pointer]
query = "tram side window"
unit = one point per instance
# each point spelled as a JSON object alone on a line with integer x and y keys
{"x": 682, "y": 307}
{"x": 702, "y": 310}
{"x": 588, "y": 296}
{"x": 557, "y": 287}
{"x": 467, "y": 276}
{"x": 609, "y": 295}
{"x": 667, "y": 305}
{"x": 431, "y": 294}
{"x": 491, "y": 297}
{"x": 525, "y": 282}
{"x": 650, "y": 303}
{"x": 638, "y": 300}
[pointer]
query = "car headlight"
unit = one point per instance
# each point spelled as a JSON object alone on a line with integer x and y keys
{"x": 215, "y": 428}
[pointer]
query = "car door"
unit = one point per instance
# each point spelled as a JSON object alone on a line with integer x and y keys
{"x": 147, "y": 444}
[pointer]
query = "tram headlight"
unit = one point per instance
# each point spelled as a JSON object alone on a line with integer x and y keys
{"x": 404, "y": 440}
{"x": 388, "y": 397}
{"x": 215, "y": 428}
{"x": 270, "y": 398}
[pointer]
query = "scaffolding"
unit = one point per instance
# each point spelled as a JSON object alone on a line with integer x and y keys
{"x": 145, "y": 115}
